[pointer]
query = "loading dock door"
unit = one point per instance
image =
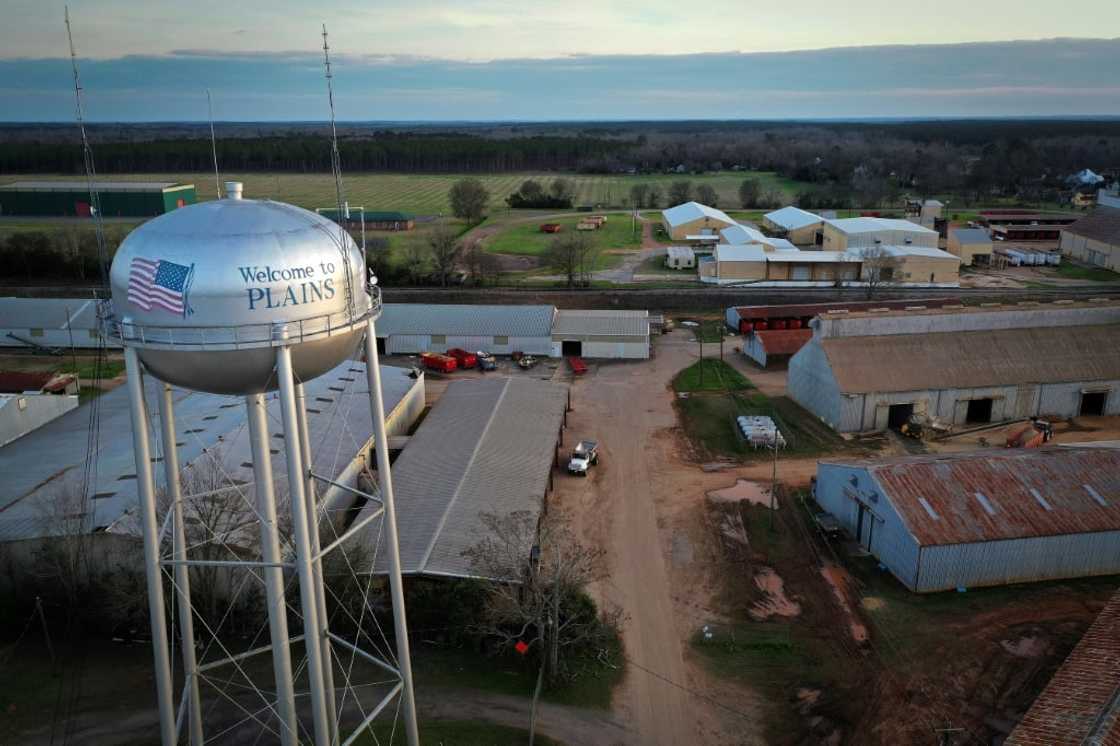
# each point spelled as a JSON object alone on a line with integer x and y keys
{"x": 801, "y": 272}
{"x": 571, "y": 347}
{"x": 1092, "y": 403}
{"x": 979, "y": 410}
{"x": 898, "y": 415}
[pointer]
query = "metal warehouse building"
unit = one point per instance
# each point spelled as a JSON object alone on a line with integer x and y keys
{"x": 601, "y": 334}
{"x": 124, "y": 199}
{"x": 49, "y": 322}
{"x": 35, "y": 468}
{"x": 487, "y": 447}
{"x": 870, "y": 370}
{"x": 410, "y": 328}
{"x": 993, "y": 517}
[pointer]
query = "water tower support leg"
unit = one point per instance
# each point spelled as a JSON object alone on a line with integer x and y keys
{"x": 301, "y": 537}
{"x": 146, "y": 487}
{"x": 316, "y": 546}
{"x": 273, "y": 576}
{"x": 182, "y": 572}
{"x": 392, "y": 548}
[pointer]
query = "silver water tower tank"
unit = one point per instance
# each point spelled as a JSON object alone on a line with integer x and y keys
{"x": 206, "y": 292}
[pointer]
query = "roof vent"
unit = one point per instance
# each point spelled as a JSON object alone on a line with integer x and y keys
{"x": 233, "y": 189}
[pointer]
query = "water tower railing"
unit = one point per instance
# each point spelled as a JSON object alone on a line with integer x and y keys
{"x": 236, "y": 336}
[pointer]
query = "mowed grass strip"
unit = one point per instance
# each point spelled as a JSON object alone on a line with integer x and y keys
{"x": 426, "y": 194}
{"x": 710, "y": 374}
{"x": 527, "y": 239}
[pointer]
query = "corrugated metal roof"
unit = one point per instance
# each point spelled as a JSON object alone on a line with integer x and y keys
{"x": 780, "y": 244}
{"x": 870, "y": 225}
{"x": 601, "y": 323}
{"x": 487, "y": 446}
{"x": 1081, "y": 704}
{"x": 791, "y": 218}
{"x": 969, "y": 236}
{"x": 998, "y": 357}
{"x": 680, "y": 252}
{"x": 33, "y": 468}
{"x": 464, "y": 320}
{"x": 745, "y": 252}
{"x": 48, "y": 313}
{"x": 689, "y": 211}
{"x": 1102, "y": 224}
{"x": 741, "y": 234}
{"x": 102, "y": 186}
{"x": 1066, "y": 478}
{"x": 783, "y": 341}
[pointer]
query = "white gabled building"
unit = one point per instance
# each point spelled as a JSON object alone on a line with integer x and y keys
{"x": 797, "y": 225}
{"x": 693, "y": 219}
{"x": 849, "y": 233}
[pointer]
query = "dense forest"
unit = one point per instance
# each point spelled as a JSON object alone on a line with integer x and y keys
{"x": 864, "y": 161}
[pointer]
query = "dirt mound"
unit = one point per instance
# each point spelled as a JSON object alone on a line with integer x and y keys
{"x": 743, "y": 489}
{"x": 776, "y": 603}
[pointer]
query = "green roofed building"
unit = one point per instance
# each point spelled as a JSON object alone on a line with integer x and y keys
{"x": 119, "y": 199}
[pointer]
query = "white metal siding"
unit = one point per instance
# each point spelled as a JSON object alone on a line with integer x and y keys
{"x": 812, "y": 385}
{"x": 616, "y": 350}
{"x": 411, "y": 344}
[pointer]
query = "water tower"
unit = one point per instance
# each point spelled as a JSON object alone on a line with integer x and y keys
{"x": 245, "y": 297}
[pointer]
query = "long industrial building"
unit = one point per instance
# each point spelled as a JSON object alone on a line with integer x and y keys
{"x": 43, "y": 466}
{"x": 1095, "y": 238}
{"x": 848, "y": 233}
{"x": 981, "y": 518}
{"x": 56, "y": 323}
{"x": 869, "y": 370}
{"x": 411, "y": 328}
{"x": 488, "y": 446}
{"x": 119, "y": 199}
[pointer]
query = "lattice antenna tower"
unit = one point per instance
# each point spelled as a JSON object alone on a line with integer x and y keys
{"x": 336, "y": 169}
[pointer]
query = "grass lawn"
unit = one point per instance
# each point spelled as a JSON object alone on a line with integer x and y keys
{"x": 1081, "y": 272}
{"x": 451, "y": 733}
{"x": 426, "y": 194}
{"x": 709, "y": 374}
{"x": 527, "y": 239}
{"x": 86, "y": 369}
{"x": 591, "y": 686}
{"x": 709, "y": 330}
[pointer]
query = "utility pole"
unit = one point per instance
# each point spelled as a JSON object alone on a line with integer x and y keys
{"x": 774, "y": 480}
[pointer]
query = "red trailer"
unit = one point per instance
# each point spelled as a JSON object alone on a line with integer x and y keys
{"x": 463, "y": 358}
{"x": 550, "y": 227}
{"x": 578, "y": 366}
{"x": 435, "y": 361}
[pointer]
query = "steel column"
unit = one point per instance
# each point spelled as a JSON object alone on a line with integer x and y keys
{"x": 182, "y": 572}
{"x": 396, "y": 585}
{"x": 147, "y": 493}
{"x": 273, "y": 576}
{"x": 316, "y": 549}
{"x": 297, "y": 480}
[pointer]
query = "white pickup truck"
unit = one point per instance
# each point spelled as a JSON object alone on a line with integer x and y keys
{"x": 584, "y": 456}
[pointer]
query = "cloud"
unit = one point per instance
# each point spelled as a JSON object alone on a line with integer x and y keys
{"x": 1047, "y": 78}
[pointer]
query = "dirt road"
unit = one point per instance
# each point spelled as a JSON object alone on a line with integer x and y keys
{"x": 640, "y": 505}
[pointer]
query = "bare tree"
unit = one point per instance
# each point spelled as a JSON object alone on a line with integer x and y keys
{"x": 573, "y": 255}
{"x": 445, "y": 251}
{"x": 879, "y": 268}
{"x": 639, "y": 194}
{"x": 706, "y": 194}
{"x": 655, "y": 197}
{"x": 63, "y": 558}
{"x": 749, "y": 192}
{"x": 415, "y": 260}
{"x": 680, "y": 192}
{"x": 562, "y": 189}
{"x": 539, "y": 574}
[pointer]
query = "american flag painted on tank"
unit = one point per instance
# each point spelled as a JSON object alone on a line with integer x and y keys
{"x": 158, "y": 283}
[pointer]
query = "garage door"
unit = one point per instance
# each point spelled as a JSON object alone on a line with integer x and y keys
{"x": 801, "y": 272}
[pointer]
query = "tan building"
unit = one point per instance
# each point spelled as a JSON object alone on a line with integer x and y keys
{"x": 907, "y": 266}
{"x": 972, "y": 245}
{"x": 694, "y": 219}
{"x": 849, "y": 233}
{"x": 1095, "y": 238}
{"x": 797, "y": 226}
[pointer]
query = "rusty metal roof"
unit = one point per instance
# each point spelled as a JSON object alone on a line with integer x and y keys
{"x": 998, "y": 357}
{"x": 1102, "y": 224}
{"x": 812, "y": 309}
{"x": 1081, "y": 704}
{"x": 783, "y": 341}
{"x": 991, "y": 495}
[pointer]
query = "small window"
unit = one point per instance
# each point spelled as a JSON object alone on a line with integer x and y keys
{"x": 439, "y": 339}
{"x": 501, "y": 340}
{"x": 36, "y": 332}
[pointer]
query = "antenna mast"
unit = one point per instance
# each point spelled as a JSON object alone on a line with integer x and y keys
{"x": 87, "y": 158}
{"x": 213, "y": 144}
{"x": 336, "y": 168}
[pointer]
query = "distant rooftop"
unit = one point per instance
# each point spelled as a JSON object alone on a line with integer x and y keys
{"x": 870, "y": 225}
{"x": 104, "y": 186}
{"x": 791, "y": 218}
{"x": 689, "y": 211}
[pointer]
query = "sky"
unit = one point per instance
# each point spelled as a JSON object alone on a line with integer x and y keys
{"x": 492, "y": 59}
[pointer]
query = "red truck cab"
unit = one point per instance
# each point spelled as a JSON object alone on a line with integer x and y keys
{"x": 463, "y": 358}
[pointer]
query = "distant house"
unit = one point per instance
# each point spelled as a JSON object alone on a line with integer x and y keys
{"x": 1095, "y": 238}
{"x": 390, "y": 221}
{"x": 680, "y": 257}
{"x": 972, "y": 245}
{"x": 694, "y": 219}
{"x": 796, "y": 225}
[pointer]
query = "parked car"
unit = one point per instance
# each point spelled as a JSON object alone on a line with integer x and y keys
{"x": 463, "y": 358}
{"x": 584, "y": 456}
{"x": 486, "y": 361}
{"x": 526, "y": 362}
{"x": 435, "y": 361}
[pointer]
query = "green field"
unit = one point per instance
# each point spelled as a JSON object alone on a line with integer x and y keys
{"x": 527, "y": 238}
{"x": 426, "y": 194}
